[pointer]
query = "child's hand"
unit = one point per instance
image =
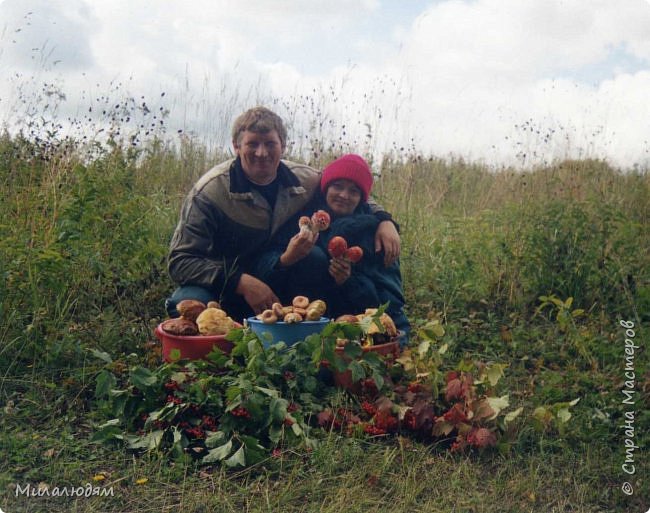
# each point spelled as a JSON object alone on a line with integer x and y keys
{"x": 299, "y": 247}
{"x": 340, "y": 269}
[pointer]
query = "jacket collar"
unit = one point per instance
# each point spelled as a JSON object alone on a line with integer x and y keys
{"x": 240, "y": 184}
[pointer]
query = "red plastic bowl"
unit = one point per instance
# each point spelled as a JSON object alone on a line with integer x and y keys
{"x": 191, "y": 347}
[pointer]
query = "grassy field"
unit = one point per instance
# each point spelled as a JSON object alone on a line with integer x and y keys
{"x": 494, "y": 255}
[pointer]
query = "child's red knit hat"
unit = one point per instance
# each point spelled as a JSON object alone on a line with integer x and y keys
{"x": 351, "y": 167}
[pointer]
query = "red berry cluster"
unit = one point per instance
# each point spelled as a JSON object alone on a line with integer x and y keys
{"x": 414, "y": 387}
{"x": 369, "y": 408}
{"x": 369, "y": 387}
{"x": 209, "y": 423}
{"x": 240, "y": 412}
{"x": 373, "y": 430}
{"x": 195, "y": 432}
{"x": 171, "y": 385}
{"x": 386, "y": 421}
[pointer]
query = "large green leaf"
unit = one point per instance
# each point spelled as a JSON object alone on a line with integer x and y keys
{"x": 237, "y": 459}
{"x": 143, "y": 378}
{"x": 218, "y": 453}
{"x": 278, "y": 409}
{"x": 357, "y": 371}
{"x": 105, "y": 382}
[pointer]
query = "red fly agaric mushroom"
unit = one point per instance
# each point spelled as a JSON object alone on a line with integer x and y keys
{"x": 354, "y": 254}
{"x": 337, "y": 247}
{"x": 320, "y": 220}
{"x": 305, "y": 224}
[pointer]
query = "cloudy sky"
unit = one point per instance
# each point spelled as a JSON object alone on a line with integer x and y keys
{"x": 495, "y": 81}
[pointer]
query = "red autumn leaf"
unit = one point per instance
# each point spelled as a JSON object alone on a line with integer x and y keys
{"x": 384, "y": 404}
{"x": 325, "y": 418}
{"x": 423, "y": 414}
{"x": 456, "y": 414}
{"x": 451, "y": 375}
{"x": 481, "y": 438}
{"x": 482, "y": 410}
{"x": 454, "y": 390}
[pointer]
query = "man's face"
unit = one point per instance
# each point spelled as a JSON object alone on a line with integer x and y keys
{"x": 260, "y": 155}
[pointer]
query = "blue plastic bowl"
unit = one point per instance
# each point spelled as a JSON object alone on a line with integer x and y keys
{"x": 289, "y": 333}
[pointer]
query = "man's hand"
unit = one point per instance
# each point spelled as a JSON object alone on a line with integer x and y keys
{"x": 387, "y": 238}
{"x": 256, "y": 293}
{"x": 299, "y": 247}
{"x": 340, "y": 269}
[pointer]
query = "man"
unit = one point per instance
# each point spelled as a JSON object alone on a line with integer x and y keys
{"x": 235, "y": 208}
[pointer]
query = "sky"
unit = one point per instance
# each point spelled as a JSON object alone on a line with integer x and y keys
{"x": 499, "y": 82}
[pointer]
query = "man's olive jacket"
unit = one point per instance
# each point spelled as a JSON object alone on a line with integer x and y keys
{"x": 224, "y": 222}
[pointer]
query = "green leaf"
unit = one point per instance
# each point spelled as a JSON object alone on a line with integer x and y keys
{"x": 275, "y": 434}
{"x": 379, "y": 379}
{"x": 179, "y": 377}
{"x": 423, "y": 348}
{"x": 176, "y": 435}
{"x": 105, "y": 382}
{"x": 268, "y": 391}
{"x": 237, "y": 459}
{"x": 278, "y": 409}
{"x": 509, "y": 417}
{"x": 543, "y": 415}
{"x": 102, "y": 355}
{"x": 218, "y": 453}
{"x": 254, "y": 452}
{"x": 357, "y": 371}
{"x": 108, "y": 431}
{"x": 498, "y": 404}
{"x": 297, "y": 430}
{"x": 148, "y": 441}
{"x": 215, "y": 439}
{"x": 352, "y": 351}
{"x": 563, "y": 415}
{"x": 495, "y": 372}
{"x": 175, "y": 354}
{"x": 143, "y": 378}
{"x": 310, "y": 384}
{"x": 233, "y": 394}
{"x": 167, "y": 412}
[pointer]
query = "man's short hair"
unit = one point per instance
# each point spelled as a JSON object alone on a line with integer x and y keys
{"x": 259, "y": 120}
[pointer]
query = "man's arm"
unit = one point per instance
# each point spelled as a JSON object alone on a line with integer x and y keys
{"x": 387, "y": 234}
{"x": 193, "y": 248}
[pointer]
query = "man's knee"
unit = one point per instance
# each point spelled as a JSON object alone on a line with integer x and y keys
{"x": 188, "y": 292}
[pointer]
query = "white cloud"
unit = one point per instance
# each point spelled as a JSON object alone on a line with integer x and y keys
{"x": 468, "y": 77}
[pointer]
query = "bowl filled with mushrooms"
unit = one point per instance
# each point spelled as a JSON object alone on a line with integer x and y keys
{"x": 199, "y": 329}
{"x": 289, "y": 324}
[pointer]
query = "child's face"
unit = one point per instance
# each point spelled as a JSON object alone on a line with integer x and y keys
{"x": 342, "y": 197}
